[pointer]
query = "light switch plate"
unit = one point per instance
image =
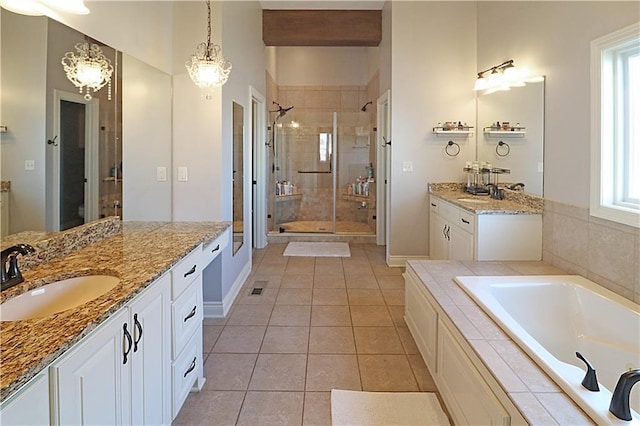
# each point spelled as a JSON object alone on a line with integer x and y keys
{"x": 183, "y": 174}
{"x": 161, "y": 174}
{"x": 407, "y": 166}
{"x": 29, "y": 165}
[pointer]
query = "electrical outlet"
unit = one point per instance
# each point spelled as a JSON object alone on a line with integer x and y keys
{"x": 183, "y": 174}
{"x": 29, "y": 165}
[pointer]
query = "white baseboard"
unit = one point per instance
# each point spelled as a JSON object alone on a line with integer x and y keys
{"x": 400, "y": 261}
{"x": 221, "y": 309}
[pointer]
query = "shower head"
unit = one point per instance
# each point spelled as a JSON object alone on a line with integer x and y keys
{"x": 364, "y": 107}
{"x": 281, "y": 111}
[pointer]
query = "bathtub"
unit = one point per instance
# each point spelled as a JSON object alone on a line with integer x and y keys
{"x": 552, "y": 317}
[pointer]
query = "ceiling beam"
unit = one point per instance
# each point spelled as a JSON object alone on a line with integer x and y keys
{"x": 321, "y": 27}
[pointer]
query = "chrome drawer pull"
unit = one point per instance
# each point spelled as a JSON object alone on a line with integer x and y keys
{"x": 190, "y": 271}
{"x": 191, "y": 367}
{"x": 191, "y": 314}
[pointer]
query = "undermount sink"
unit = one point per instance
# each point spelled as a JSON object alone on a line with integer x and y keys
{"x": 473, "y": 200}
{"x": 56, "y": 297}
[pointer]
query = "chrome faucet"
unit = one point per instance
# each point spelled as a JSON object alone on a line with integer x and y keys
{"x": 517, "y": 186}
{"x": 10, "y": 274}
{"x": 619, "y": 406}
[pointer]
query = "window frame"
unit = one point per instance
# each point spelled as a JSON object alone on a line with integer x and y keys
{"x": 609, "y": 118}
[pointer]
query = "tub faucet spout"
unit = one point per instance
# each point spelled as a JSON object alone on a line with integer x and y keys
{"x": 619, "y": 406}
{"x": 590, "y": 380}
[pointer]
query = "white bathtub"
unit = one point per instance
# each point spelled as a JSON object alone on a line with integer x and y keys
{"x": 552, "y": 317}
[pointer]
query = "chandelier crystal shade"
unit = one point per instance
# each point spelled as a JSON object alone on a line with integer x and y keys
{"x": 45, "y": 7}
{"x": 207, "y": 67}
{"x": 88, "y": 69}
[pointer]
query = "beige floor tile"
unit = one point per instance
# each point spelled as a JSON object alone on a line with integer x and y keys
{"x": 326, "y": 372}
{"x": 268, "y": 297}
{"x": 214, "y": 321}
{"x": 331, "y": 340}
{"x": 328, "y": 281}
{"x": 297, "y": 281}
{"x": 210, "y": 408}
{"x": 386, "y": 373}
{"x": 250, "y": 315}
{"x": 408, "y": 343}
{"x": 240, "y": 339}
{"x": 397, "y": 315}
{"x": 228, "y": 371}
{"x": 383, "y": 269}
{"x": 393, "y": 297}
{"x": 210, "y": 334}
{"x": 358, "y": 269}
{"x": 283, "y": 340}
{"x": 329, "y": 296}
{"x": 292, "y": 315}
{"x": 370, "y": 316}
{"x": 365, "y": 297}
{"x": 272, "y": 409}
{"x": 317, "y": 409}
{"x": 279, "y": 372}
{"x": 421, "y": 373}
{"x": 328, "y": 266}
{"x": 300, "y": 265}
{"x": 271, "y": 268}
{"x": 294, "y": 296}
{"x": 330, "y": 316}
{"x": 361, "y": 281}
{"x": 264, "y": 280}
{"x": 391, "y": 282}
{"x": 377, "y": 340}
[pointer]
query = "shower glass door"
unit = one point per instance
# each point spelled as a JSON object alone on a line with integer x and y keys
{"x": 304, "y": 173}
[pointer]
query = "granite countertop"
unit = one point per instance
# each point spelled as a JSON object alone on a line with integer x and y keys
{"x": 515, "y": 202}
{"x": 138, "y": 254}
{"x": 538, "y": 398}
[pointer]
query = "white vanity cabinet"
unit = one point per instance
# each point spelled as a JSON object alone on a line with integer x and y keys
{"x": 186, "y": 324}
{"x": 119, "y": 374}
{"x": 470, "y": 393}
{"x": 29, "y": 405}
{"x": 457, "y": 234}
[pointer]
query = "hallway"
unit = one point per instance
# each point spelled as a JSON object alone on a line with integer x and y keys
{"x": 320, "y": 323}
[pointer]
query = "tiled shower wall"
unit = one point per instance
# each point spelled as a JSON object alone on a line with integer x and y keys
{"x": 313, "y": 109}
{"x": 605, "y": 252}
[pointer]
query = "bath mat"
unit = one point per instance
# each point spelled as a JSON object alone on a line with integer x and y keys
{"x": 386, "y": 408}
{"x": 317, "y": 249}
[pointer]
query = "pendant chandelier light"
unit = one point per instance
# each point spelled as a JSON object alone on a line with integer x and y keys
{"x": 89, "y": 69}
{"x": 207, "y": 67}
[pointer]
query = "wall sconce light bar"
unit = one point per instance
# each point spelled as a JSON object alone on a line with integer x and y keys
{"x": 503, "y": 76}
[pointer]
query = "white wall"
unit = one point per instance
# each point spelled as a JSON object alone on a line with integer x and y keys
{"x": 322, "y": 66}
{"x": 23, "y": 108}
{"x": 552, "y": 38}
{"x": 433, "y": 68}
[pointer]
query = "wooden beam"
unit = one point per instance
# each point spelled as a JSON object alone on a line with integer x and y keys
{"x": 321, "y": 27}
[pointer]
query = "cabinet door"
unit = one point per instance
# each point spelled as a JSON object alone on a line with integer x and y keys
{"x": 422, "y": 320}
{"x": 150, "y": 319}
{"x": 89, "y": 380}
{"x": 30, "y": 404}
{"x": 438, "y": 241}
{"x": 461, "y": 244}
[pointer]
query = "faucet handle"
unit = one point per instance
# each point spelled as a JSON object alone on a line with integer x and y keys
{"x": 590, "y": 380}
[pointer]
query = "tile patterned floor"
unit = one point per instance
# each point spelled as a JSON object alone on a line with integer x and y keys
{"x": 320, "y": 323}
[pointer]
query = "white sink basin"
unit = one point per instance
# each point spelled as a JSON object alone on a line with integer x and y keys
{"x": 56, "y": 297}
{"x": 473, "y": 200}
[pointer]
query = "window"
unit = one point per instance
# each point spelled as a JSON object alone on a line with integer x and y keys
{"x": 615, "y": 132}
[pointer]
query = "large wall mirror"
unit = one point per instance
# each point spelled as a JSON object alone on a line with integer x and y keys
{"x": 519, "y": 146}
{"x": 238, "y": 177}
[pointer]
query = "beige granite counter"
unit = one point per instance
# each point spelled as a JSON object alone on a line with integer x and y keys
{"x": 538, "y": 398}
{"x": 515, "y": 202}
{"x": 138, "y": 254}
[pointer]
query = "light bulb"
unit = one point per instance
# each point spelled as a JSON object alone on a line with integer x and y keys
{"x": 481, "y": 84}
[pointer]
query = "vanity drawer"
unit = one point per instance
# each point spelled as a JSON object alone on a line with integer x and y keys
{"x": 184, "y": 272}
{"x": 214, "y": 248}
{"x": 186, "y": 316}
{"x": 467, "y": 221}
{"x": 434, "y": 203}
{"x": 185, "y": 370}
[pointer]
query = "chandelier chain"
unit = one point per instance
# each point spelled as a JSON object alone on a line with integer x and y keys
{"x": 208, "y": 27}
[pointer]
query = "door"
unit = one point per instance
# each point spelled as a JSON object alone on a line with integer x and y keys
{"x": 259, "y": 178}
{"x": 75, "y": 183}
{"x": 439, "y": 237}
{"x": 89, "y": 380}
{"x": 383, "y": 159}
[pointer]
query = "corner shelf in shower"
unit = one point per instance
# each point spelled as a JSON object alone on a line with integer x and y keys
{"x": 281, "y": 198}
{"x": 357, "y": 198}
{"x": 112, "y": 179}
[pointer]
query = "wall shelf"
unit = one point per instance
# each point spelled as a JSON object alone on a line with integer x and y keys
{"x": 513, "y": 132}
{"x": 357, "y": 198}
{"x": 291, "y": 197}
{"x": 465, "y": 131}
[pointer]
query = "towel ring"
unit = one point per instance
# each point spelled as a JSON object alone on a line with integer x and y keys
{"x": 456, "y": 149}
{"x": 500, "y": 144}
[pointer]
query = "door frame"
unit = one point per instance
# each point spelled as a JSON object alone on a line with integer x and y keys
{"x": 258, "y": 129}
{"x": 383, "y": 165}
{"x": 92, "y": 134}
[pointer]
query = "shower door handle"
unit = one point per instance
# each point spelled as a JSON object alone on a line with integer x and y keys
{"x": 385, "y": 142}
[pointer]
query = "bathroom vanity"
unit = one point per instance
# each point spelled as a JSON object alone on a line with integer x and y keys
{"x": 130, "y": 356}
{"x": 470, "y": 227}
